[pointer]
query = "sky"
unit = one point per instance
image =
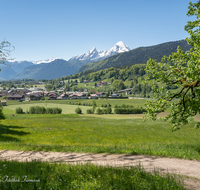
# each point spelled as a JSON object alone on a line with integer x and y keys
{"x": 43, "y": 29}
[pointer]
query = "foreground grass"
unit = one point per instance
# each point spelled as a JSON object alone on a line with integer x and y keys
{"x": 99, "y": 102}
{"x": 72, "y": 133}
{"x": 38, "y": 175}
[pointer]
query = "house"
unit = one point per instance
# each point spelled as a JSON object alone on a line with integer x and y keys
{"x": 3, "y": 94}
{"x": 100, "y": 94}
{"x": 81, "y": 96}
{"x": 52, "y": 96}
{"x": 16, "y": 97}
{"x": 72, "y": 96}
{"x": 115, "y": 95}
{"x": 86, "y": 81}
{"x": 92, "y": 96}
{"x": 3, "y": 102}
{"x": 63, "y": 96}
{"x": 34, "y": 96}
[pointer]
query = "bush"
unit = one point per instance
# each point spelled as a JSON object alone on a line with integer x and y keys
{"x": 104, "y": 111}
{"x": 43, "y": 110}
{"x": 124, "y": 106}
{"x": 55, "y": 110}
{"x": 99, "y": 111}
{"x": 49, "y": 111}
{"x": 129, "y": 110}
{"x": 109, "y": 110}
{"x": 32, "y": 110}
{"x": 59, "y": 110}
{"x": 89, "y": 111}
{"x": 19, "y": 110}
{"x": 78, "y": 110}
{"x": 40, "y": 110}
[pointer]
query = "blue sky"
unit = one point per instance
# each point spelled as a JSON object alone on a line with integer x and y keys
{"x": 42, "y": 29}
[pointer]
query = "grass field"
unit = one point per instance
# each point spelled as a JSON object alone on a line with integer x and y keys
{"x": 70, "y": 109}
{"x": 38, "y": 175}
{"x": 99, "y": 102}
{"x": 66, "y": 108}
{"x": 92, "y": 133}
{"x": 74, "y": 133}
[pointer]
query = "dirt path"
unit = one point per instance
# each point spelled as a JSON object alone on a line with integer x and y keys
{"x": 189, "y": 168}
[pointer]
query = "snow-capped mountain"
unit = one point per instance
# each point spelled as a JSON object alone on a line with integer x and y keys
{"x": 45, "y": 61}
{"x": 34, "y": 62}
{"x": 96, "y": 55}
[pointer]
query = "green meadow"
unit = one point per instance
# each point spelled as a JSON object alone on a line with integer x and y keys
{"x": 99, "y": 102}
{"x": 91, "y": 133}
{"x": 68, "y": 108}
{"x": 45, "y": 176}
{"x": 109, "y": 133}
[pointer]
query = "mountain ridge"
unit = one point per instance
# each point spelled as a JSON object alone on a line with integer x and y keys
{"x": 96, "y": 55}
{"x": 56, "y": 68}
{"x": 52, "y": 70}
{"x": 137, "y": 55}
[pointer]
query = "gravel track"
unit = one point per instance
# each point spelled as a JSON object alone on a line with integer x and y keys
{"x": 190, "y": 168}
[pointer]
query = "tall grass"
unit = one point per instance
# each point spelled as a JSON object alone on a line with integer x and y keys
{"x": 38, "y": 175}
{"x": 73, "y": 133}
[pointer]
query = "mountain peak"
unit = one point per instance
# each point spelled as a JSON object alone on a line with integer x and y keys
{"x": 120, "y": 43}
{"x": 93, "y": 49}
{"x": 95, "y": 55}
{"x": 122, "y": 46}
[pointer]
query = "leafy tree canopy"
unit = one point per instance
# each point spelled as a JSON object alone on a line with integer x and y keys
{"x": 180, "y": 71}
{"x": 5, "y": 49}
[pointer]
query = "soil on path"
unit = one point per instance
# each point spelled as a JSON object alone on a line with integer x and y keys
{"x": 190, "y": 168}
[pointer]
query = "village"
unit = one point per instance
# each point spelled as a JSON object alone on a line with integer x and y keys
{"x": 41, "y": 93}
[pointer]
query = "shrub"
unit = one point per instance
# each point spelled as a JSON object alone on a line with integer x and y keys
{"x": 78, "y": 110}
{"x": 32, "y": 110}
{"x": 104, "y": 111}
{"x": 43, "y": 110}
{"x": 53, "y": 110}
{"x": 40, "y": 110}
{"x": 49, "y": 110}
{"x": 129, "y": 110}
{"x": 59, "y": 110}
{"x": 89, "y": 111}
{"x": 109, "y": 110}
{"x": 99, "y": 111}
{"x": 19, "y": 110}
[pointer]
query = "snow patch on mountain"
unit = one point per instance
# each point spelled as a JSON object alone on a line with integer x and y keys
{"x": 45, "y": 61}
{"x": 96, "y": 55}
{"x": 35, "y": 62}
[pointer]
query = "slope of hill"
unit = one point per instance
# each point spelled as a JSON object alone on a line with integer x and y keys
{"x": 52, "y": 70}
{"x": 138, "y": 55}
{"x": 9, "y": 69}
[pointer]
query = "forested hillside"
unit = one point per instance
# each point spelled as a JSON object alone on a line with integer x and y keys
{"x": 136, "y": 56}
{"x": 123, "y": 73}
